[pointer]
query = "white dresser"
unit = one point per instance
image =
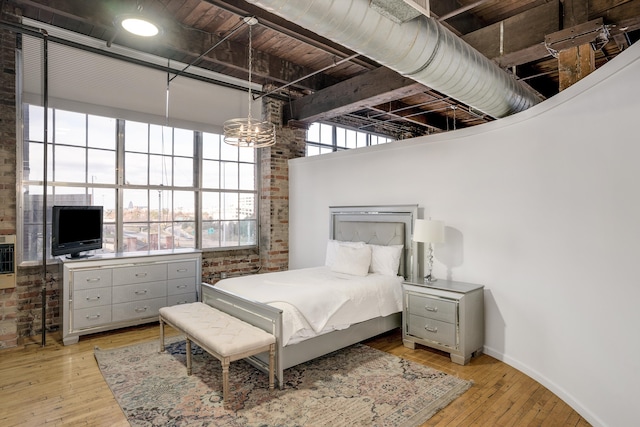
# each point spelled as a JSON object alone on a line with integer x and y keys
{"x": 111, "y": 291}
{"x": 445, "y": 315}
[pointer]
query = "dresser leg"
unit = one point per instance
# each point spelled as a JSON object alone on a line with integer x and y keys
{"x": 409, "y": 344}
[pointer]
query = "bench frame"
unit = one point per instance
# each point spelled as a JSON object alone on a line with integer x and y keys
{"x": 225, "y": 360}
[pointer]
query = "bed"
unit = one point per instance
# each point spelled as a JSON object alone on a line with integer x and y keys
{"x": 299, "y": 335}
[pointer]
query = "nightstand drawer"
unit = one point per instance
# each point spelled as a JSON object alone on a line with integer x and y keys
{"x": 433, "y": 308}
{"x": 433, "y": 330}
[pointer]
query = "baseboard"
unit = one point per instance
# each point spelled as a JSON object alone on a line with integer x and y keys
{"x": 551, "y": 385}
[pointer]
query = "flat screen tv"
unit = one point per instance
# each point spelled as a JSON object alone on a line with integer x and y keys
{"x": 76, "y": 229}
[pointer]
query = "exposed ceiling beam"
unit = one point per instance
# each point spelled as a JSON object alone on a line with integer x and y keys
{"x": 461, "y": 10}
{"x": 518, "y": 32}
{"x": 372, "y": 88}
{"x": 269, "y": 20}
{"x": 399, "y": 112}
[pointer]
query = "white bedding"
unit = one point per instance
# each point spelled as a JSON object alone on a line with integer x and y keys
{"x": 308, "y": 309}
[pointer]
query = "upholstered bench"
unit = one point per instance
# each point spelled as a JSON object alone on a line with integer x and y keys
{"x": 221, "y": 335}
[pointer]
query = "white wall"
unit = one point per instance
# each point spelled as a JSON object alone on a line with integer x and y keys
{"x": 543, "y": 208}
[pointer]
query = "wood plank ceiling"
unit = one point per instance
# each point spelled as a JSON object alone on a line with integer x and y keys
{"x": 322, "y": 80}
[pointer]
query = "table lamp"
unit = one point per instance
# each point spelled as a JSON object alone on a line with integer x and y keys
{"x": 428, "y": 231}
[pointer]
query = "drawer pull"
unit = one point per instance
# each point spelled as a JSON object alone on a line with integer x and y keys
{"x": 95, "y": 316}
{"x": 181, "y": 286}
{"x": 181, "y": 270}
{"x": 431, "y": 309}
{"x": 94, "y": 298}
{"x": 142, "y": 292}
{"x": 93, "y": 279}
{"x": 141, "y": 274}
{"x": 433, "y": 329}
{"x": 141, "y": 309}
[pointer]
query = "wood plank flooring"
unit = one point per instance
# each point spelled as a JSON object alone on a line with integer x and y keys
{"x": 57, "y": 385}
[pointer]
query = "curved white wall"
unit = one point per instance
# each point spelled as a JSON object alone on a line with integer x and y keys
{"x": 543, "y": 208}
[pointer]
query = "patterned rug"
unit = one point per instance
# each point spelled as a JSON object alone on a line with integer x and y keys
{"x": 356, "y": 386}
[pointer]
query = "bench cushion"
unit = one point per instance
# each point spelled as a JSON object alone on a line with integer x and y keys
{"x": 222, "y": 333}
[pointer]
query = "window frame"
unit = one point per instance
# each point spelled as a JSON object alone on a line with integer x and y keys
{"x": 120, "y": 187}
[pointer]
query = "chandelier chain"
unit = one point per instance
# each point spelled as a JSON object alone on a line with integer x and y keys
{"x": 247, "y": 132}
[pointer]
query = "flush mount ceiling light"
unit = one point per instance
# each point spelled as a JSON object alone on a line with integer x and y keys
{"x": 138, "y": 24}
{"x": 248, "y": 132}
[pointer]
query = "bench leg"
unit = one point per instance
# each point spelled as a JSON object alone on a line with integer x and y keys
{"x": 272, "y": 358}
{"x": 161, "y": 335}
{"x": 188, "y": 356}
{"x": 225, "y": 380}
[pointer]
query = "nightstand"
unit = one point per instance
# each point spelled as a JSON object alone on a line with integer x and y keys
{"x": 444, "y": 315}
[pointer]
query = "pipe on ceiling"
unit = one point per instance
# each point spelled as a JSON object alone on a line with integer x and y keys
{"x": 421, "y": 49}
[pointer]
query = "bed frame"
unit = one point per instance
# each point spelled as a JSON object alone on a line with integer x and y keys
{"x": 380, "y": 225}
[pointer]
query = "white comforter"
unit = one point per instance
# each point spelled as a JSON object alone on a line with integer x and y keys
{"x": 316, "y": 300}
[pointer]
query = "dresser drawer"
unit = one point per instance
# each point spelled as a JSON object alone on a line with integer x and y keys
{"x": 138, "y": 292}
{"x": 139, "y": 274}
{"x": 181, "y": 286}
{"x": 91, "y": 298}
{"x": 88, "y": 279}
{"x": 91, "y": 317}
{"x": 433, "y": 308}
{"x": 432, "y": 330}
{"x": 138, "y": 309}
{"x": 181, "y": 299}
{"x": 182, "y": 269}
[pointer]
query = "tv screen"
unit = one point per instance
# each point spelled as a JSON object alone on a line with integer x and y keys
{"x": 76, "y": 229}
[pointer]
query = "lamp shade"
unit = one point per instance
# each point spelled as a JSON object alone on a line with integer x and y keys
{"x": 428, "y": 231}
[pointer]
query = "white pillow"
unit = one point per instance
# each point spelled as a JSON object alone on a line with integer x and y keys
{"x": 352, "y": 260}
{"x": 332, "y": 250}
{"x": 385, "y": 259}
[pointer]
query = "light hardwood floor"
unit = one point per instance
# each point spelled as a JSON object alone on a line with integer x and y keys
{"x": 57, "y": 385}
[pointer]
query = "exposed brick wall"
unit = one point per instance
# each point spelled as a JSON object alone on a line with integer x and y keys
{"x": 29, "y": 300}
{"x": 229, "y": 263}
{"x": 7, "y": 133}
{"x": 274, "y": 198}
{"x": 8, "y": 297}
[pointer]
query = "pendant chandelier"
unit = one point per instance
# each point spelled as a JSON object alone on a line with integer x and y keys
{"x": 249, "y": 132}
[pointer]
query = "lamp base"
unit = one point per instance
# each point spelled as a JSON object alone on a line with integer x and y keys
{"x": 430, "y": 279}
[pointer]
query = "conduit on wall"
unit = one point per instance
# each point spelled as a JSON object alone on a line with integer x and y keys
{"x": 421, "y": 49}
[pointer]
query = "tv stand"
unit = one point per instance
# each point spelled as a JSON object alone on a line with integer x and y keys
{"x": 77, "y": 255}
{"x": 112, "y": 291}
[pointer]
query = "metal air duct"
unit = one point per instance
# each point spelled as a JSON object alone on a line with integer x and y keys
{"x": 421, "y": 49}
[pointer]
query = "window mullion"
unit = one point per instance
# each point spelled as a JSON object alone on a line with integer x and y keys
{"x": 120, "y": 130}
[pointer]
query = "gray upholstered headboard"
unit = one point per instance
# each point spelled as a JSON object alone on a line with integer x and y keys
{"x": 378, "y": 225}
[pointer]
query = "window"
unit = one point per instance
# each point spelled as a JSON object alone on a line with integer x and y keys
{"x": 325, "y": 138}
{"x": 228, "y": 194}
{"x": 148, "y": 178}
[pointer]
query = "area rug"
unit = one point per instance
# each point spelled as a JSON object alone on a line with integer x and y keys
{"x": 356, "y": 386}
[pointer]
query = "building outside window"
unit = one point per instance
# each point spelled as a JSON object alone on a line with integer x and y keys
{"x": 150, "y": 180}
